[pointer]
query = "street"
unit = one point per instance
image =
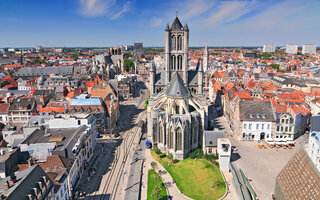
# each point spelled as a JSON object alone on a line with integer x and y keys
{"x": 117, "y": 155}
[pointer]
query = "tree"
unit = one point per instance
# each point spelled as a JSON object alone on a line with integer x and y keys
{"x": 156, "y": 192}
{"x": 75, "y": 56}
{"x": 128, "y": 64}
{"x": 146, "y": 102}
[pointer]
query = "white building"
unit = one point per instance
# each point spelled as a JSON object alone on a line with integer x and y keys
{"x": 269, "y": 48}
{"x": 292, "y": 48}
{"x": 314, "y": 141}
{"x": 309, "y": 49}
{"x": 256, "y": 120}
{"x": 224, "y": 151}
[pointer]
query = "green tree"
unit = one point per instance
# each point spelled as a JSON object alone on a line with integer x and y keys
{"x": 75, "y": 56}
{"x": 275, "y": 66}
{"x": 156, "y": 192}
{"x": 128, "y": 64}
{"x": 146, "y": 102}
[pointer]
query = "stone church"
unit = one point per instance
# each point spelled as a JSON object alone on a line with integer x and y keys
{"x": 177, "y": 111}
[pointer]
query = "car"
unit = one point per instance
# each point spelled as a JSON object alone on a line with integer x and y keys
{"x": 148, "y": 144}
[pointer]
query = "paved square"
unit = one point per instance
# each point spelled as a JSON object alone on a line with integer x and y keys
{"x": 261, "y": 165}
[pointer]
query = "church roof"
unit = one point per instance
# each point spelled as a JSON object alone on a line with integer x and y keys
{"x": 176, "y": 25}
{"x": 176, "y": 88}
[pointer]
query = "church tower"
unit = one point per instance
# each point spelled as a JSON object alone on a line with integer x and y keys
{"x": 176, "y": 50}
{"x": 205, "y": 59}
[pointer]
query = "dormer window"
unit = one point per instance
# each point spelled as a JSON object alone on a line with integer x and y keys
{"x": 258, "y": 116}
{"x": 251, "y": 115}
{"x": 264, "y": 116}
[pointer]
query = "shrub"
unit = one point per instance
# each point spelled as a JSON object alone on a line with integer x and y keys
{"x": 157, "y": 151}
{"x": 198, "y": 153}
{"x": 153, "y": 165}
{"x": 216, "y": 163}
{"x": 163, "y": 155}
{"x": 170, "y": 156}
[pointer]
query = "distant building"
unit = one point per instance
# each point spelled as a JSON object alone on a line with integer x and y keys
{"x": 299, "y": 179}
{"x": 35, "y": 72}
{"x": 256, "y": 120}
{"x": 129, "y": 47}
{"x": 269, "y": 48}
{"x": 9, "y": 158}
{"x": 138, "y": 46}
{"x": 21, "y": 109}
{"x": 32, "y": 183}
{"x": 309, "y": 49}
{"x": 314, "y": 141}
{"x": 210, "y": 141}
{"x": 38, "y": 48}
{"x": 292, "y": 48}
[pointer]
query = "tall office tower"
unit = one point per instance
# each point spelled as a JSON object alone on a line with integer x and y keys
{"x": 268, "y": 48}
{"x": 292, "y": 48}
{"x": 309, "y": 49}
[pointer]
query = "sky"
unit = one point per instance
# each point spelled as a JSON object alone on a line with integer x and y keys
{"x": 104, "y": 23}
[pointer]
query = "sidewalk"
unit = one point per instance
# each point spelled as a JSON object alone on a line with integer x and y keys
{"x": 166, "y": 178}
{"x": 231, "y": 193}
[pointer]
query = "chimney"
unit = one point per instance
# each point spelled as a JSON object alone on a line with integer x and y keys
{"x": 13, "y": 178}
{"x": 6, "y": 185}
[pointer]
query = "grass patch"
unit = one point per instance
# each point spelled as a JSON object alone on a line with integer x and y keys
{"x": 154, "y": 181}
{"x": 197, "y": 179}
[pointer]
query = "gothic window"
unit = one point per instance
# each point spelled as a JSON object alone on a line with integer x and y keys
{"x": 179, "y": 139}
{"x": 171, "y": 140}
{"x": 194, "y": 134}
{"x": 177, "y": 109}
{"x": 173, "y": 43}
{"x": 179, "y": 43}
{"x": 161, "y": 134}
{"x": 164, "y": 135}
{"x": 179, "y": 62}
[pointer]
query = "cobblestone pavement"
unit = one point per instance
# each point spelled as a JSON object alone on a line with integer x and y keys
{"x": 261, "y": 165}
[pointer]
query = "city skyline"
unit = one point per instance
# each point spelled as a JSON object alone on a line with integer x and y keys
{"x": 102, "y": 23}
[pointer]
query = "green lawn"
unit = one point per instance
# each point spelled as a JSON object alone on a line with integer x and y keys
{"x": 197, "y": 179}
{"x": 153, "y": 181}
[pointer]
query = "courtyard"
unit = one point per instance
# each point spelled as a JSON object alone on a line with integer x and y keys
{"x": 260, "y": 165}
{"x": 197, "y": 179}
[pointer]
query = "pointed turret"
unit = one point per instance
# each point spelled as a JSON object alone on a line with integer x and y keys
{"x": 167, "y": 27}
{"x": 186, "y": 28}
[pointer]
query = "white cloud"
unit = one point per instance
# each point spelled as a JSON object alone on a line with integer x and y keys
{"x": 229, "y": 11}
{"x": 109, "y": 8}
{"x": 194, "y": 8}
{"x": 156, "y": 22}
{"x": 125, "y": 8}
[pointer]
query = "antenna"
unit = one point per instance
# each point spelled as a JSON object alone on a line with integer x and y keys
{"x": 176, "y": 13}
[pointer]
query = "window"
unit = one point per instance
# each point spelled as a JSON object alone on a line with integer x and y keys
{"x": 286, "y": 129}
{"x": 282, "y": 120}
{"x": 79, "y": 122}
{"x": 210, "y": 150}
{"x": 290, "y": 128}
{"x": 251, "y": 115}
{"x": 268, "y": 127}
{"x": 278, "y": 128}
{"x": 250, "y": 126}
{"x": 287, "y": 121}
{"x": 281, "y": 129}
{"x": 258, "y": 116}
{"x": 262, "y": 126}
{"x": 244, "y": 126}
{"x": 257, "y": 126}
{"x": 264, "y": 116}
